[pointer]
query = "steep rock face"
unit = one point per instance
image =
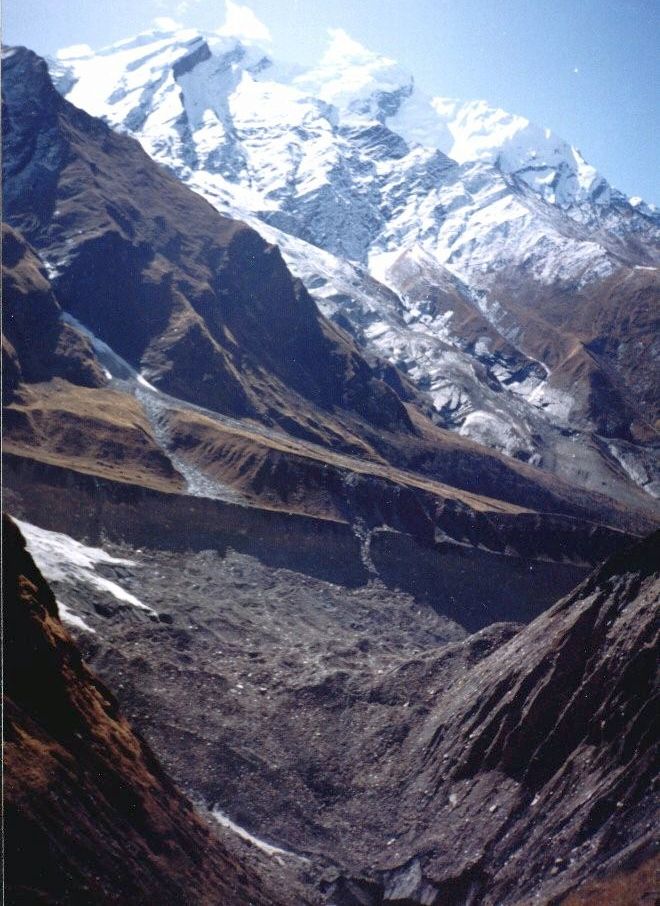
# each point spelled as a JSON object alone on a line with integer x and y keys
{"x": 58, "y": 404}
{"x": 215, "y": 316}
{"x": 546, "y": 750}
{"x": 90, "y": 816}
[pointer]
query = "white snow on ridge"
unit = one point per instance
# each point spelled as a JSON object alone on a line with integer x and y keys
{"x": 298, "y": 145}
{"x": 63, "y": 559}
{"x": 350, "y": 77}
{"x": 547, "y": 163}
{"x": 343, "y": 165}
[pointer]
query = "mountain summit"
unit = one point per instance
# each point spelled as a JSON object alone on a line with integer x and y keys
{"x": 354, "y": 80}
{"x": 474, "y": 250}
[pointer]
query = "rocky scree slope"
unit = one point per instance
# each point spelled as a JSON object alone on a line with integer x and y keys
{"x": 221, "y": 323}
{"x": 357, "y": 728}
{"x": 558, "y": 270}
{"x": 90, "y": 816}
{"x": 535, "y": 767}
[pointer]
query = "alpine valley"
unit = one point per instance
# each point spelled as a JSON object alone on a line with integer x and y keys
{"x": 330, "y": 442}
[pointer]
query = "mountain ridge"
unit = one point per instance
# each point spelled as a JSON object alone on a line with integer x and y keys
{"x": 221, "y": 325}
{"x": 268, "y": 524}
{"x": 360, "y": 170}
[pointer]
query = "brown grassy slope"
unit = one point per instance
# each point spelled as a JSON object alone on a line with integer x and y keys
{"x": 236, "y": 455}
{"x": 57, "y": 407}
{"x": 300, "y": 476}
{"x": 90, "y": 817}
{"x": 600, "y": 341}
{"x": 100, "y": 432}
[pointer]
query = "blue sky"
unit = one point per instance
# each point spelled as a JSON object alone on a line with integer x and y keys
{"x": 588, "y": 69}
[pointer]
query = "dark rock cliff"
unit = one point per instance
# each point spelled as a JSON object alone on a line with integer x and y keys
{"x": 536, "y": 767}
{"x": 37, "y": 345}
{"x": 215, "y": 315}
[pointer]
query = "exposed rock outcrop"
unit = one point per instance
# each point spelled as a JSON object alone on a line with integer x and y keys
{"x": 536, "y": 768}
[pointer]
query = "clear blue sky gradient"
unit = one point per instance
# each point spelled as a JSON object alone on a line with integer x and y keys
{"x": 588, "y": 69}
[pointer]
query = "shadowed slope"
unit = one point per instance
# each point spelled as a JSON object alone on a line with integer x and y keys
{"x": 208, "y": 311}
{"x": 215, "y": 316}
{"x": 90, "y": 817}
{"x": 546, "y": 750}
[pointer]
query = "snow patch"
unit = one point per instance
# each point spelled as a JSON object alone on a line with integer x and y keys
{"x": 145, "y": 383}
{"x": 635, "y": 469}
{"x": 63, "y": 559}
{"x": 244, "y": 834}
{"x": 495, "y": 429}
{"x": 555, "y": 403}
{"x": 68, "y": 616}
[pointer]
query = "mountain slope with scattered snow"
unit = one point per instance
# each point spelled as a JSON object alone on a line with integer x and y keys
{"x": 351, "y": 160}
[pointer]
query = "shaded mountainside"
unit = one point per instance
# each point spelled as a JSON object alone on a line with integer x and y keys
{"x": 90, "y": 816}
{"x": 545, "y": 753}
{"x": 215, "y": 316}
{"x": 37, "y": 346}
{"x": 57, "y": 396}
{"x": 305, "y": 590}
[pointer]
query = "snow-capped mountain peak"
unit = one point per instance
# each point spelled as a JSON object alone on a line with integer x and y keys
{"x": 550, "y": 166}
{"x": 355, "y": 79}
{"x": 352, "y": 157}
{"x": 126, "y": 81}
{"x": 241, "y": 22}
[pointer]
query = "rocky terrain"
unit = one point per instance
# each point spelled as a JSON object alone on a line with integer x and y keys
{"x": 89, "y": 815}
{"x": 316, "y": 552}
{"x": 375, "y": 750}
